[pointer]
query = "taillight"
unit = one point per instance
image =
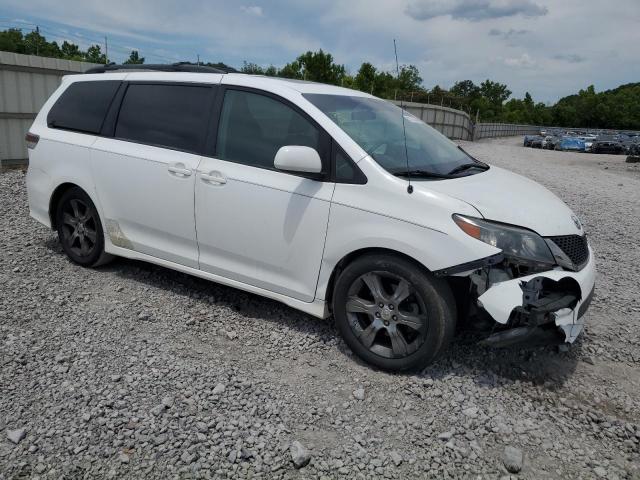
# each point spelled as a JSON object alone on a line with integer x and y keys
{"x": 32, "y": 140}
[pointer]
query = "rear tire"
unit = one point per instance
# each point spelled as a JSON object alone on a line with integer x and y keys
{"x": 392, "y": 313}
{"x": 80, "y": 230}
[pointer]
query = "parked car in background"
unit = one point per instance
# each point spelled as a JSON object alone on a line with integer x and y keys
{"x": 571, "y": 144}
{"x": 554, "y": 143}
{"x": 547, "y": 142}
{"x": 327, "y": 199}
{"x": 537, "y": 142}
{"x": 609, "y": 146}
{"x": 588, "y": 141}
{"x": 528, "y": 139}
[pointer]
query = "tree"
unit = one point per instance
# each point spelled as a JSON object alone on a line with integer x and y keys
{"x": 12, "y": 41}
{"x": 409, "y": 79}
{"x": 95, "y": 55}
{"x": 496, "y": 93}
{"x": 384, "y": 85}
{"x": 134, "y": 59}
{"x": 365, "y": 79}
{"x": 465, "y": 89}
{"x": 251, "y": 68}
{"x": 291, "y": 70}
{"x": 71, "y": 51}
{"x": 315, "y": 66}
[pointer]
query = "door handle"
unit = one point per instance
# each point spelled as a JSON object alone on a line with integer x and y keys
{"x": 180, "y": 169}
{"x": 214, "y": 177}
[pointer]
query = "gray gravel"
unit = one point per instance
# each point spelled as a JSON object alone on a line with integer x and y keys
{"x": 136, "y": 371}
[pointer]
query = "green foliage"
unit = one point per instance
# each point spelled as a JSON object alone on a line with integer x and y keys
{"x": 71, "y": 51}
{"x": 490, "y": 101}
{"x": 12, "y": 40}
{"x": 134, "y": 59}
{"x": 252, "y": 68}
{"x": 95, "y": 55}
{"x": 315, "y": 66}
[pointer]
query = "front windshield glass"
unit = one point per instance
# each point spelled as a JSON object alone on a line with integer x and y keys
{"x": 376, "y": 125}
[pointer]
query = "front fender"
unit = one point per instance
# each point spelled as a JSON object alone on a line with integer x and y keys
{"x": 351, "y": 229}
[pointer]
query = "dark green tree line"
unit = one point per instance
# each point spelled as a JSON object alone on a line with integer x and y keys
{"x": 33, "y": 43}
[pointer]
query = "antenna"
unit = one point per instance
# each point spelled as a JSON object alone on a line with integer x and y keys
{"x": 404, "y": 130}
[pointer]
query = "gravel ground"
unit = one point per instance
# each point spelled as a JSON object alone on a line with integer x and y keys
{"x": 133, "y": 370}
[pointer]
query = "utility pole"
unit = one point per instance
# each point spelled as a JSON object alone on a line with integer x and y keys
{"x": 106, "y": 50}
{"x": 37, "y": 39}
{"x": 198, "y": 55}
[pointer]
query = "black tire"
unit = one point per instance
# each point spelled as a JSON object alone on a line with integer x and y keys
{"x": 397, "y": 336}
{"x": 80, "y": 230}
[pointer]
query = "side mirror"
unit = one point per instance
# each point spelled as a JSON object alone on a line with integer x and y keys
{"x": 296, "y": 158}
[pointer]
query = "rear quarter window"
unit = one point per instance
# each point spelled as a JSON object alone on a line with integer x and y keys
{"x": 83, "y": 106}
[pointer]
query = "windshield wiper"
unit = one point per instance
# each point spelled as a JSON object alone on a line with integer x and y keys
{"x": 468, "y": 166}
{"x": 421, "y": 173}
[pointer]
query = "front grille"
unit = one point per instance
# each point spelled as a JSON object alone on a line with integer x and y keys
{"x": 574, "y": 246}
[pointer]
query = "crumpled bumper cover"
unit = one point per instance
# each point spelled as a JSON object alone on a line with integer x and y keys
{"x": 566, "y": 308}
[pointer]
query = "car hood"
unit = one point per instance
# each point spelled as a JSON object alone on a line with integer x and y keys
{"x": 506, "y": 197}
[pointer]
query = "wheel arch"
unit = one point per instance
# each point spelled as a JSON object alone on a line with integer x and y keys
{"x": 354, "y": 255}
{"x": 60, "y": 190}
{"x": 57, "y": 194}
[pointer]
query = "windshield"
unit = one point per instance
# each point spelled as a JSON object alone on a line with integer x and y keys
{"x": 376, "y": 125}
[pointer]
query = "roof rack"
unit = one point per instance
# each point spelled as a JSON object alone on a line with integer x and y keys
{"x": 171, "y": 67}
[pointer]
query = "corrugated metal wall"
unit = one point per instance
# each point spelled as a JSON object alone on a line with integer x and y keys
{"x": 26, "y": 81}
{"x": 491, "y": 130}
{"x": 452, "y": 123}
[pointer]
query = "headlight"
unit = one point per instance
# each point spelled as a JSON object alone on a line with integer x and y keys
{"x": 513, "y": 241}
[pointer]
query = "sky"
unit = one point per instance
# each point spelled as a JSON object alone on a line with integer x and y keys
{"x": 550, "y": 48}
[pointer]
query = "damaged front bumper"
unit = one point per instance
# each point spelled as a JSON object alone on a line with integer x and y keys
{"x": 544, "y": 307}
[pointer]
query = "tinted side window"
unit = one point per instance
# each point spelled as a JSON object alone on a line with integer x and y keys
{"x": 173, "y": 116}
{"x": 253, "y": 127}
{"x": 82, "y": 106}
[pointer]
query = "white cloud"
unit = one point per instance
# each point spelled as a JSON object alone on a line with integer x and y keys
{"x": 523, "y": 61}
{"x": 252, "y": 10}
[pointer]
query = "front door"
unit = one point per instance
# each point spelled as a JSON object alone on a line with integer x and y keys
{"x": 255, "y": 224}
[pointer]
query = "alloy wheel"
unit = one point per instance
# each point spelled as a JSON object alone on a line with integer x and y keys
{"x": 386, "y": 314}
{"x": 79, "y": 227}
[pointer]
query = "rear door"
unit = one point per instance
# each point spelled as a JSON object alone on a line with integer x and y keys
{"x": 144, "y": 168}
{"x": 258, "y": 225}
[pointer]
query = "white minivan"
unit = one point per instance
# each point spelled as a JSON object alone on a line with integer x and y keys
{"x": 328, "y": 199}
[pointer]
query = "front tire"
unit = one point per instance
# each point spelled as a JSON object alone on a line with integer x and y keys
{"x": 392, "y": 313}
{"x": 80, "y": 230}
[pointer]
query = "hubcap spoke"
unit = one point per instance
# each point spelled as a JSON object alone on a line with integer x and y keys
{"x": 372, "y": 281}
{"x": 411, "y": 320}
{"x": 359, "y": 305}
{"x": 84, "y": 246}
{"x": 69, "y": 219}
{"x": 90, "y": 234}
{"x": 403, "y": 290}
{"x": 75, "y": 205}
{"x": 398, "y": 342}
{"x": 72, "y": 238}
{"x": 368, "y": 335}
